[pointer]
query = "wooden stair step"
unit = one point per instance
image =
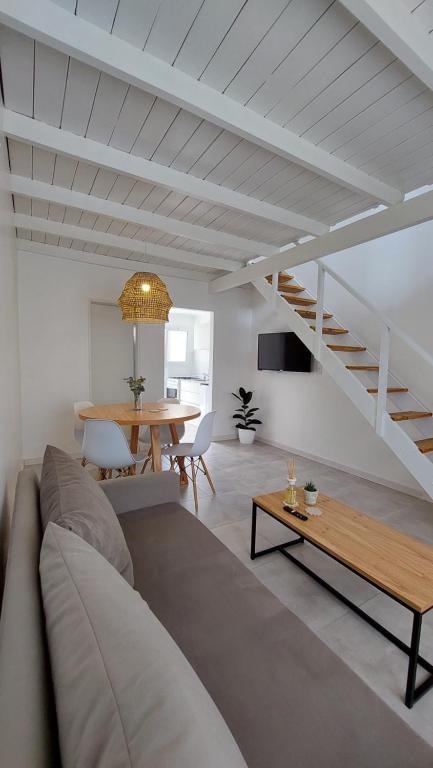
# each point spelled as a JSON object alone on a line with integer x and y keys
{"x": 290, "y": 288}
{"x": 362, "y": 367}
{"x": 406, "y": 415}
{"x": 282, "y": 278}
{"x": 309, "y": 315}
{"x": 425, "y": 445}
{"x": 331, "y": 331}
{"x": 299, "y": 300}
{"x": 346, "y": 348}
{"x": 373, "y": 391}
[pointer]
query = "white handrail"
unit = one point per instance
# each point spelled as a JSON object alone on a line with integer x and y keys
{"x": 382, "y": 384}
{"x": 380, "y": 316}
{"x": 319, "y": 308}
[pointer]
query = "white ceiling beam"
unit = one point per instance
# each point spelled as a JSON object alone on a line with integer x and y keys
{"x": 43, "y": 191}
{"x": 31, "y": 131}
{"x": 52, "y": 25}
{"x": 97, "y": 259}
{"x": 22, "y": 221}
{"x": 392, "y": 23}
{"x": 401, "y": 216}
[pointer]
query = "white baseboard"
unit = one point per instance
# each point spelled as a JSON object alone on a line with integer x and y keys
{"x": 39, "y": 459}
{"x": 418, "y": 494}
{"x": 76, "y": 455}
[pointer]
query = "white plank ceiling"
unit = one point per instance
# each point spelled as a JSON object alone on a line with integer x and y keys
{"x": 306, "y": 65}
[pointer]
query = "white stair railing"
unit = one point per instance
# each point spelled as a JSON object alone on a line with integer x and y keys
{"x": 319, "y": 311}
{"x": 387, "y": 327}
{"x": 382, "y": 385}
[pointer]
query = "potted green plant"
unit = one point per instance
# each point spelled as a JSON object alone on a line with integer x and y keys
{"x": 310, "y": 493}
{"x": 137, "y": 388}
{"x": 245, "y": 417}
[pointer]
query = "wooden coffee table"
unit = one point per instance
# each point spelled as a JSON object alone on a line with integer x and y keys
{"x": 397, "y": 564}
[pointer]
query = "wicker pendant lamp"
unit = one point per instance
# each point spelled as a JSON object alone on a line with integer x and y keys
{"x": 145, "y": 299}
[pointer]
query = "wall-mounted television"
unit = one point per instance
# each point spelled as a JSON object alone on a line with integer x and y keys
{"x": 282, "y": 352}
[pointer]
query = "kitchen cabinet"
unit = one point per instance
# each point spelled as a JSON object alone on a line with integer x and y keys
{"x": 190, "y": 391}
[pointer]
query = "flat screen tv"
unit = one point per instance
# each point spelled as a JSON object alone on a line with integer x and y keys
{"x": 282, "y": 352}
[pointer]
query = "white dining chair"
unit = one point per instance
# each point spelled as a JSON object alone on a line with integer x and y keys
{"x": 105, "y": 445}
{"x": 194, "y": 452}
{"x": 79, "y": 424}
{"x": 165, "y": 436}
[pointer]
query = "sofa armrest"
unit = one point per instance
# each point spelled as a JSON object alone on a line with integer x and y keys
{"x": 128, "y": 493}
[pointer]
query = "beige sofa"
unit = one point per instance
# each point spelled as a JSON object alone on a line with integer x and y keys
{"x": 285, "y": 697}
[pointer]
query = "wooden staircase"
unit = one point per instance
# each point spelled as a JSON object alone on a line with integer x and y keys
{"x": 426, "y": 445}
{"x": 407, "y": 415}
{"x": 301, "y": 301}
{"x": 308, "y": 314}
{"x": 296, "y": 296}
{"x": 346, "y": 348}
{"x": 331, "y": 331}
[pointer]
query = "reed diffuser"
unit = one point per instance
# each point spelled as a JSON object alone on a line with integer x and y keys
{"x": 291, "y": 479}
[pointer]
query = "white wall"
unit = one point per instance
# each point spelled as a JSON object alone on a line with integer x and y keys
{"x": 54, "y": 299}
{"x": 307, "y": 411}
{"x": 10, "y": 426}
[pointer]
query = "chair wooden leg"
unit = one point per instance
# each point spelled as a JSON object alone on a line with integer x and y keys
{"x": 194, "y": 484}
{"x": 206, "y": 471}
{"x": 156, "y": 448}
{"x": 149, "y": 456}
{"x": 180, "y": 460}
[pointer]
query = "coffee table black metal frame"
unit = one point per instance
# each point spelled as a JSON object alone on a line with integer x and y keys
{"x": 413, "y": 692}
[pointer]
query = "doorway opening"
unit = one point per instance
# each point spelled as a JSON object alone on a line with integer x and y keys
{"x": 188, "y": 360}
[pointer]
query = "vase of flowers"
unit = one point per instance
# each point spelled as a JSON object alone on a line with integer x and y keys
{"x": 291, "y": 499}
{"x": 137, "y": 388}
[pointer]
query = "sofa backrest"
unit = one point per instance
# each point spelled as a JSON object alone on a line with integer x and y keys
{"x": 28, "y": 728}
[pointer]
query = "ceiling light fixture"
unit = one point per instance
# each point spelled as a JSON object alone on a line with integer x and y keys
{"x": 144, "y": 299}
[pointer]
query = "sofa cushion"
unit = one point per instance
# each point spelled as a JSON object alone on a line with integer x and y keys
{"x": 73, "y": 499}
{"x": 286, "y": 697}
{"x": 125, "y": 694}
{"x": 28, "y": 728}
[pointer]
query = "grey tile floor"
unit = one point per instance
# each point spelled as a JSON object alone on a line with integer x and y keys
{"x": 239, "y": 472}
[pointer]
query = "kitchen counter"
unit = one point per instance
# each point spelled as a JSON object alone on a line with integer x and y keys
{"x": 190, "y": 389}
{"x": 191, "y": 378}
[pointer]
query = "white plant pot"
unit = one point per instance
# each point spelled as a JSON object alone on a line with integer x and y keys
{"x": 310, "y": 497}
{"x": 246, "y": 436}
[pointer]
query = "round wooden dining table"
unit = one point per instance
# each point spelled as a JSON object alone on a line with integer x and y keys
{"x": 152, "y": 415}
